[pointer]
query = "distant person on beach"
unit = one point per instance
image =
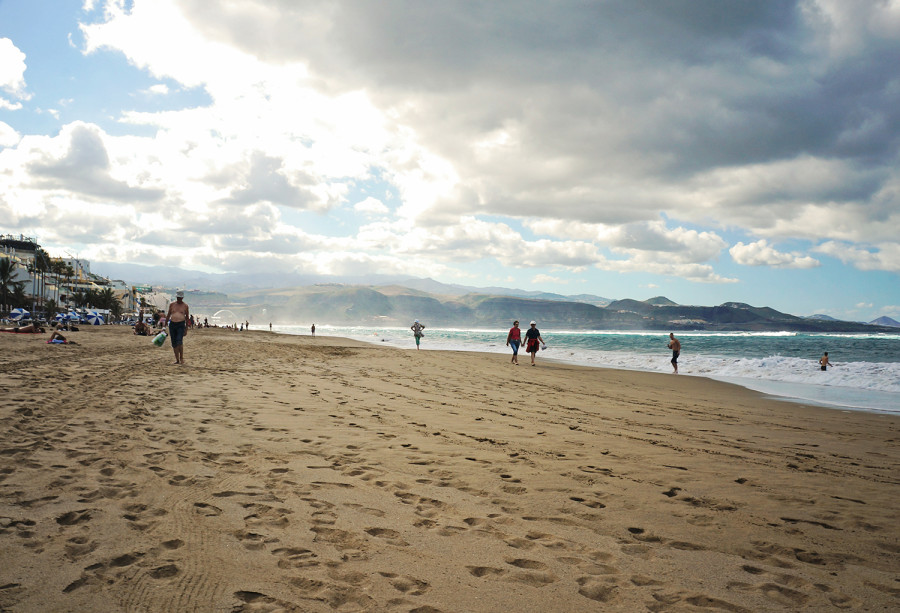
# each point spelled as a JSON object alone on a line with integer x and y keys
{"x": 177, "y": 317}
{"x": 56, "y": 336}
{"x": 313, "y": 329}
{"x": 28, "y": 328}
{"x": 514, "y": 339}
{"x": 141, "y": 329}
{"x": 533, "y": 340}
{"x": 270, "y": 326}
{"x": 824, "y": 362}
{"x": 417, "y": 329}
{"x": 675, "y": 346}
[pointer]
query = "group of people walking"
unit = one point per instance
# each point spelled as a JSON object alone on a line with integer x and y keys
{"x": 533, "y": 341}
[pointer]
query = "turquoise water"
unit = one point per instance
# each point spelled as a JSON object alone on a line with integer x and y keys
{"x": 866, "y": 375}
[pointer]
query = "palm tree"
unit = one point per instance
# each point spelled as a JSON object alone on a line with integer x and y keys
{"x": 70, "y": 272}
{"x": 58, "y": 268}
{"x": 19, "y": 298}
{"x": 105, "y": 298}
{"x": 115, "y": 310}
{"x": 7, "y": 281}
{"x": 40, "y": 266}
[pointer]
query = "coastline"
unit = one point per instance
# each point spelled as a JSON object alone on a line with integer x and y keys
{"x": 320, "y": 474}
{"x": 783, "y": 378}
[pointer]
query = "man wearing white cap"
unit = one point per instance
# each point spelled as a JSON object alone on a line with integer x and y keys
{"x": 417, "y": 331}
{"x": 533, "y": 340}
{"x": 177, "y": 317}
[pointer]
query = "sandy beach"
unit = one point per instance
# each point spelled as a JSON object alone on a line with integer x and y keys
{"x": 284, "y": 473}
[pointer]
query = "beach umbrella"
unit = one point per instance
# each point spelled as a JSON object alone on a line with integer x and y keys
{"x": 19, "y": 314}
{"x": 61, "y": 317}
{"x": 94, "y": 318}
{"x": 73, "y": 317}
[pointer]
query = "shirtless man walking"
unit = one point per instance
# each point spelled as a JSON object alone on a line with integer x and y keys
{"x": 675, "y": 346}
{"x": 177, "y": 317}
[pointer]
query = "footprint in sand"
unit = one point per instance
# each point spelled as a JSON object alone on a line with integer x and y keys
{"x": 74, "y": 517}
{"x": 79, "y": 547}
{"x": 207, "y": 509}
{"x": 485, "y": 571}
{"x": 591, "y": 588}
{"x": 591, "y": 504}
{"x": 252, "y": 540}
{"x": 165, "y": 572}
{"x": 391, "y": 536}
{"x": 295, "y": 557}
{"x": 253, "y": 602}
{"x": 407, "y": 584}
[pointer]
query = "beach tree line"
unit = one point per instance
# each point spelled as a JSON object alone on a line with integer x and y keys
{"x": 58, "y": 275}
{"x": 12, "y": 292}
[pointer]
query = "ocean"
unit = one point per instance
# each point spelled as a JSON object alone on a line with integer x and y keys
{"x": 865, "y": 376}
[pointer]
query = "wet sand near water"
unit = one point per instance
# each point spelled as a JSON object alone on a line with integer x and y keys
{"x": 289, "y": 473}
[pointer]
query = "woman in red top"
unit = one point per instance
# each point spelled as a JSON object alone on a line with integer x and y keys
{"x": 514, "y": 339}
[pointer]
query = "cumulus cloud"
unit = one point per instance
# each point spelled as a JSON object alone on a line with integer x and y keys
{"x": 371, "y": 206}
{"x": 12, "y": 75}
{"x": 761, "y": 253}
{"x": 8, "y": 136}
{"x": 83, "y": 167}
{"x": 882, "y": 257}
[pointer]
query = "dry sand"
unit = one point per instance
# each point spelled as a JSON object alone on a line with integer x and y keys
{"x": 280, "y": 473}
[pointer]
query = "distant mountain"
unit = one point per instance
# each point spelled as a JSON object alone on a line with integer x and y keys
{"x": 171, "y": 277}
{"x": 397, "y": 300}
{"x": 885, "y": 321}
{"x": 436, "y": 287}
{"x": 660, "y": 301}
{"x": 396, "y": 305}
{"x": 821, "y": 317}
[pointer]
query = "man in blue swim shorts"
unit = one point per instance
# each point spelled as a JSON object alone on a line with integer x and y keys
{"x": 177, "y": 317}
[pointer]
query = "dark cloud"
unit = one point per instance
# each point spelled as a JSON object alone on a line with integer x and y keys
{"x": 600, "y": 97}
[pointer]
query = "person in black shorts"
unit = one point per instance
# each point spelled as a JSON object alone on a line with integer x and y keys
{"x": 675, "y": 346}
{"x": 177, "y": 317}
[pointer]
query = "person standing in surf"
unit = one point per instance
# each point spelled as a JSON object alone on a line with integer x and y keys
{"x": 675, "y": 346}
{"x": 417, "y": 329}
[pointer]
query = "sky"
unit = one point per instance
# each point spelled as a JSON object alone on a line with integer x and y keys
{"x": 708, "y": 151}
